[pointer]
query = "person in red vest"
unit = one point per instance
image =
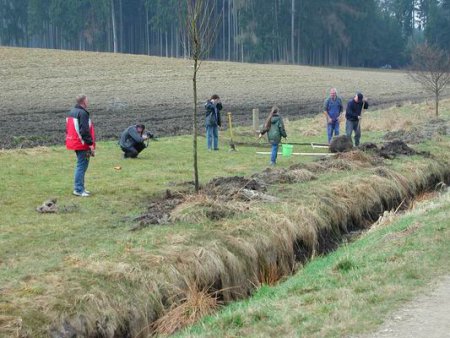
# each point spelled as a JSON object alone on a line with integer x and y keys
{"x": 80, "y": 136}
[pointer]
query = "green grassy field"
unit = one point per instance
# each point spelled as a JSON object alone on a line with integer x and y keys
{"x": 84, "y": 259}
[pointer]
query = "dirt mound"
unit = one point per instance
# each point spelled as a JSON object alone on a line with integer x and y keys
{"x": 295, "y": 175}
{"x": 223, "y": 189}
{"x": 159, "y": 210}
{"x": 222, "y": 185}
{"x": 238, "y": 188}
{"x": 397, "y": 147}
{"x": 368, "y": 146}
{"x": 341, "y": 144}
{"x": 391, "y": 149}
{"x": 422, "y": 133}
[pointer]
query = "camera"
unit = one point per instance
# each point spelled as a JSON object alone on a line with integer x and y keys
{"x": 149, "y": 134}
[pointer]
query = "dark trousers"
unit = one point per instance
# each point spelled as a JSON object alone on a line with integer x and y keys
{"x": 353, "y": 126}
{"x": 134, "y": 150}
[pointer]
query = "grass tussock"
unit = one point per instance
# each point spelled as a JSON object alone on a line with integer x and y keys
{"x": 193, "y": 305}
{"x": 201, "y": 207}
{"x": 10, "y": 326}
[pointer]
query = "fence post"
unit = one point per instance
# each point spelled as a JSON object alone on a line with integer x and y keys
{"x": 255, "y": 120}
{"x": 230, "y": 127}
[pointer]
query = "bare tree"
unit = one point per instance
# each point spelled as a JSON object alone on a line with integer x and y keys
{"x": 431, "y": 68}
{"x": 200, "y": 22}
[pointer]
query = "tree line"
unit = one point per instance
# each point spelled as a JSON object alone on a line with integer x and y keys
{"x": 368, "y": 33}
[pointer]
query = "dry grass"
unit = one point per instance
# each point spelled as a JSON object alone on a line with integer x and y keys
{"x": 398, "y": 119}
{"x": 12, "y": 326}
{"x": 193, "y": 305}
{"x": 201, "y": 208}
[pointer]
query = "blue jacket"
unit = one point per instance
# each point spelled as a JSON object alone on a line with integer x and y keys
{"x": 334, "y": 108}
{"x": 354, "y": 109}
{"x": 212, "y": 115}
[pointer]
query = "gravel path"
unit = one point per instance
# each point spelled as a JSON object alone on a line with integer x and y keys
{"x": 427, "y": 316}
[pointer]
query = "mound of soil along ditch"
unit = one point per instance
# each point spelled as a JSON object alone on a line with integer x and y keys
{"x": 343, "y": 143}
{"x": 223, "y": 189}
{"x": 392, "y": 149}
{"x": 255, "y": 249}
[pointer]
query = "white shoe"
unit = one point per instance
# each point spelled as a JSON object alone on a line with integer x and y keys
{"x": 82, "y": 194}
{"x": 87, "y": 192}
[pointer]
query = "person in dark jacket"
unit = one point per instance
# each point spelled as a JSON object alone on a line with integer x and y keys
{"x": 353, "y": 116}
{"x": 332, "y": 109}
{"x": 132, "y": 140}
{"x": 274, "y": 127}
{"x": 80, "y": 136}
{"x": 213, "y": 121}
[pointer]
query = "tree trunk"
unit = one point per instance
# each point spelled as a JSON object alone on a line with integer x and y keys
{"x": 195, "y": 125}
{"x": 113, "y": 20}
{"x": 292, "y": 32}
{"x": 229, "y": 30}
{"x": 436, "y": 98}
{"x": 147, "y": 30}
{"x": 121, "y": 26}
{"x": 223, "y": 31}
{"x": 167, "y": 43}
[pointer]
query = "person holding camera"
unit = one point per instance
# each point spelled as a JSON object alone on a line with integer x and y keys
{"x": 213, "y": 122}
{"x": 80, "y": 137}
{"x": 132, "y": 140}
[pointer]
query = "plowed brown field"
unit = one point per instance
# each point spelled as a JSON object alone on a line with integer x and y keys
{"x": 37, "y": 88}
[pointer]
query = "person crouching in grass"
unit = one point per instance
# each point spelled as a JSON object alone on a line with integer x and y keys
{"x": 274, "y": 127}
{"x": 132, "y": 140}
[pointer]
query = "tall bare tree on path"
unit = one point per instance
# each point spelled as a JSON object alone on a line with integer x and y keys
{"x": 431, "y": 68}
{"x": 201, "y": 22}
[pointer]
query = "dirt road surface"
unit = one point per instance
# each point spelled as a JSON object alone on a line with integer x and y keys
{"x": 428, "y": 316}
